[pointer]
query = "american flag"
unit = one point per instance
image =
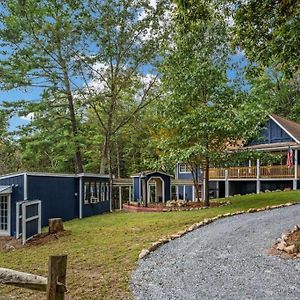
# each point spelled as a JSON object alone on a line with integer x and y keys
{"x": 290, "y": 158}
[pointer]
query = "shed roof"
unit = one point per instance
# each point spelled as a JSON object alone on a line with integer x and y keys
{"x": 149, "y": 172}
{"x": 5, "y": 189}
{"x": 54, "y": 175}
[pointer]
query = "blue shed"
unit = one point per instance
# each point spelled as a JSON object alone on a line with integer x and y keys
{"x": 65, "y": 196}
{"x": 151, "y": 186}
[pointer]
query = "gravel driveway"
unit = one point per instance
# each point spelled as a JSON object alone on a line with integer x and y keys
{"x": 224, "y": 260}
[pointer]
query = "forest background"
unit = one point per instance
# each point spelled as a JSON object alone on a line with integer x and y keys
{"x": 122, "y": 86}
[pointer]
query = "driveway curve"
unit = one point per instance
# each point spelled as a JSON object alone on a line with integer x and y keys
{"x": 226, "y": 259}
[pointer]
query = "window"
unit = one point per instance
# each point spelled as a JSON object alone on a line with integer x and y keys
{"x": 102, "y": 192}
{"x": 91, "y": 192}
{"x": 183, "y": 168}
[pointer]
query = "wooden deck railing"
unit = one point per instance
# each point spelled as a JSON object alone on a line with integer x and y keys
{"x": 252, "y": 172}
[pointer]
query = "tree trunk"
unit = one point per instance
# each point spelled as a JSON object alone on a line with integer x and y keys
{"x": 118, "y": 159}
{"x": 205, "y": 196}
{"x": 24, "y": 280}
{"x": 103, "y": 161}
{"x": 68, "y": 92}
{"x": 55, "y": 225}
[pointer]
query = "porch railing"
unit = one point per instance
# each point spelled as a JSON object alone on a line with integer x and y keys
{"x": 253, "y": 172}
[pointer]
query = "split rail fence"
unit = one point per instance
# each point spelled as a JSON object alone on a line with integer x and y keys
{"x": 54, "y": 285}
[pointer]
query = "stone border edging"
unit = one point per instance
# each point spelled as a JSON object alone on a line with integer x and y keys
{"x": 206, "y": 221}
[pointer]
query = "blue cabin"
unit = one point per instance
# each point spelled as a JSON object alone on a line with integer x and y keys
{"x": 151, "y": 186}
{"x": 279, "y": 136}
{"x": 65, "y": 196}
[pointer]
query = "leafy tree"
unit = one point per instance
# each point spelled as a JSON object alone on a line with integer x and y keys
{"x": 9, "y": 154}
{"x": 96, "y": 57}
{"x": 202, "y": 114}
{"x": 38, "y": 41}
{"x": 127, "y": 36}
{"x": 269, "y": 33}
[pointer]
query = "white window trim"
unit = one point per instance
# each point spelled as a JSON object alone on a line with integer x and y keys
{"x": 186, "y": 169}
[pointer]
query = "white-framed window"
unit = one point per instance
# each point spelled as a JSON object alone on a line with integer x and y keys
{"x": 107, "y": 191}
{"x": 86, "y": 196}
{"x": 183, "y": 168}
{"x": 102, "y": 191}
{"x": 98, "y": 190}
{"x": 91, "y": 192}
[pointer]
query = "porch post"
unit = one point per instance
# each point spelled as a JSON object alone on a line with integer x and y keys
{"x": 184, "y": 192}
{"x": 193, "y": 193}
{"x": 120, "y": 197}
{"x": 257, "y": 176}
{"x": 129, "y": 196}
{"x": 227, "y": 192}
{"x": 177, "y": 192}
{"x": 217, "y": 189}
{"x": 295, "y": 170}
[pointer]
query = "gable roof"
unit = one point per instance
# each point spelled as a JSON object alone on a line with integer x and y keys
{"x": 290, "y": 127}
{"x": 146, "y": 173}
{"x": 5, "y": 189}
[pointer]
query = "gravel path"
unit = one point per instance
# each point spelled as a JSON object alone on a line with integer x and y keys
{"x": 224, "y": 260}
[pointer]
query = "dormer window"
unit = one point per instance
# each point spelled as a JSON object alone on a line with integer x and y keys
{"x": 183, "y": 168}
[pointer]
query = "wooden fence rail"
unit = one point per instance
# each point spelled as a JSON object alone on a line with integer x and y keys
{"x": 54, "y": 285}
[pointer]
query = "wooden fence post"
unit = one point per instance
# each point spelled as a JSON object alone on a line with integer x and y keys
{"x": 57, "y": 267}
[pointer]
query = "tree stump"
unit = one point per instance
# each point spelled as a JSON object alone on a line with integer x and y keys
{"x": 55, "y": 225}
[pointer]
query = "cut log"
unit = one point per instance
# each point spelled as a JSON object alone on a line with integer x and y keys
{"x": 55, "y": 225}
{"x": 26, "y": 280}
{"x": 22, "y": 279}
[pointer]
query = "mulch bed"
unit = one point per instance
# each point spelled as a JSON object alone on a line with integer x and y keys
{"x": 10, "y": 243}
{"x": 162, "y": 207}
{"x": 187, "y": 205}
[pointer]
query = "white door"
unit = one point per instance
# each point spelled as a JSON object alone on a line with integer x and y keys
{"x": 4, "y": 215}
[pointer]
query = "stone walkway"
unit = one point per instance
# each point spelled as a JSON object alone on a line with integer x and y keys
{"x": 223, "y": 260}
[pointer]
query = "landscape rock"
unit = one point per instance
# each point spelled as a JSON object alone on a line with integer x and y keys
{"x": 175, "y": 236}
{"x": 154, "y": 246}
{"x": 290, "y": 249}
{"x": 9, "y": 247}
{"x": 281, "y": 246}
{"x": 144, "y": 253}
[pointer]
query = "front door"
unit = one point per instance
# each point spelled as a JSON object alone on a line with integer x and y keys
{"x": 4, "y": 215}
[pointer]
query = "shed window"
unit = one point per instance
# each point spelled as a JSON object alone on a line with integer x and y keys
{"x": 102, "y": 191}
{"x": 91, "y": 192}
{"x": 107, "y": 191}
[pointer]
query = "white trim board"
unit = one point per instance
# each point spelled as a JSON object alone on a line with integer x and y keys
{"x": 54, "y": 175}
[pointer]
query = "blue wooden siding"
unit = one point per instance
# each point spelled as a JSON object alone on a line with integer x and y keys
{"x": 57, "y": 195}
{"x": 17, "y": 195}
{"x": 167, "y": 183}
{"x": 136, "y": 189}
{"x": 188, "y": 192}
{"x": 187, "y": 175}
{"x": 92, "y": 209}
{"x": 138, "y": 185}
{"x": 270, "y": 134}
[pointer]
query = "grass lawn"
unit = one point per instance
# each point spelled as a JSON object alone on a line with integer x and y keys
{"x": 103, "y": 250}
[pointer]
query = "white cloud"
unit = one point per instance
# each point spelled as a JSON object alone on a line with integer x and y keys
{"x": 28, "y": 117}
